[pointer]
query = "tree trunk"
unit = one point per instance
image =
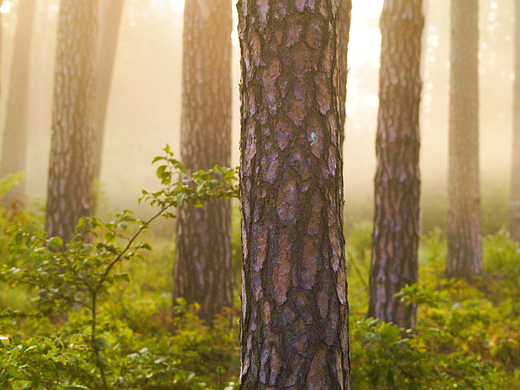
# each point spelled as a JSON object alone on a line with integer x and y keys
{"x": 395, "y": 238}
{"x": 344, "y": 16}
{"x": 69, "y": 194}
{"x": 294, "y": 299}
{"x": 203, "y": 269}
{"x": 14, "y": 145}
{"x": 110, "y": 20}
{"x": 514, "y": 204}
{"x": 464, "y": 258}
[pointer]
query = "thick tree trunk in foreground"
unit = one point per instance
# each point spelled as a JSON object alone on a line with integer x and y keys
{"x": 464, "y": 258}
{"x": 69, "y": 193}
{"x": 110, "y": 20}
{"x": 344, "y": 16}
{"x": 295, "y": 310}
{"x": 514, "y": 202}
{"x": 14, "y": 144}
{"x": 203, "y": 269}
{"x": 395, "y": 238}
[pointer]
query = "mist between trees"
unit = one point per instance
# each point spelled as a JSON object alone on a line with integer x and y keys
{"x": 147, "y": 69}
{"x": 295, "y": 164}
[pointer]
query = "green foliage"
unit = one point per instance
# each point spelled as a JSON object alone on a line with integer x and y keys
{"x": 447, "y": 350}
{"x": 72, "y": 284}
{"x": 97, "y": 313}
{"x": 502, "y": 268}
{"x": 468, "y": 336}
{"x": 358, "y": 251}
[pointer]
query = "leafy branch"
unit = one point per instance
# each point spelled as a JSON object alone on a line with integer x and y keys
{"x": 75, "y": 275}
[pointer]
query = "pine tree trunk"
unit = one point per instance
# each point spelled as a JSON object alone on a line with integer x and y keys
{"x": 395, "y": 237}
{"x": 110, "y": 20}
{"x": 295, "y": 310}
{"x": 344, "y": 16}
{"x": 514, "y": 204}
{"x": 69, "y": 193}
{"x": 14, "y": 145}
{"x": 464, "y": 258}
{"x": 203, "y": 269}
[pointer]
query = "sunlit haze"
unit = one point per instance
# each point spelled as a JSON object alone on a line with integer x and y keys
{"x": 367, "y": 7}
{"x": 5, "y": 7}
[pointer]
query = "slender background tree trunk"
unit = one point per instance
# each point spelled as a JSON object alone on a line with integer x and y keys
{"x": 69, "y": 193}
{"x": 110, "y": 20}
{"x": 14, "y": 144}
{"x": 203, "y": 269}
{"x": 464, "y": 258}
{"x": 395, "y": 238}
{"x": 345, "y": 8}
{"x": 295, "y": 310}
{"x": 514, "y": 203}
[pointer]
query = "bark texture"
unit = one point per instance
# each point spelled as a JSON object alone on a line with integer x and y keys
{"x": 203, "y": 269}
{"x": 395, "y": 237}
{"x": 464, "y": 257}
{"x": 110, "y": 20}
{"x": 14, "y": 144}
{"x": 294, "y": 331}
{"x": 69, "y": 191}
{"x": 514, "y": 202}
{"x": 344, "y": 17}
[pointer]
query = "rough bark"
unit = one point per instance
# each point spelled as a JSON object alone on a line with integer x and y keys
{"x": 464, "y": 257}
{"x": 514, "y": 202}
{"x": 344, "y": 17}
{"x": 294, "y": 330}
{"x": 69, "y": 192}
{"x": 395, "y": 237}
{"x": 203, "y": 269}
{"x": 14, "y": 144}
{"x": 110, "y": 20}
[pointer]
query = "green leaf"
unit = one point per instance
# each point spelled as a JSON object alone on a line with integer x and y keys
{"x": 109, "y": 236}
{"x": 157, "y": 158}
{"x": 55, "y": 242}
{"x": 145, "y": 245}
{"x": 12, "y": 229}
{"x": 75, "y": 387}
{"x": 15, "y": 372}
{"x": 180, "y": 198}
{"x": 160, "y": 171}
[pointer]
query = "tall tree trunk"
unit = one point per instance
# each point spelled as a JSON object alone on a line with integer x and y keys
{"x": 203, "y": 269}
{"x": 514, "y": 203}
{"x": 69, "y": 193}
{"x": 344, "y": 17}
{"x": 14, "y": 145}
{"x": 295, "y": 310}
{"x": 110, "y": 20}
{"x": 464, "y": 258}
{"x": 395, "y": 238}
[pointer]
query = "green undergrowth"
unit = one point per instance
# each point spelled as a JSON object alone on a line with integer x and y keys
{"x": 467, "y": 337}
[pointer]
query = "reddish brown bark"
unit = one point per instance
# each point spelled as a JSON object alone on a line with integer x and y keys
{"x": 395, "y": 237}
{"x": 295, "y": 310}
{"x": 203, "y": 269}
{"x": 69, "y": 191}
{"x": 464, "y": 257}
{"x": 14, "y": 144}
